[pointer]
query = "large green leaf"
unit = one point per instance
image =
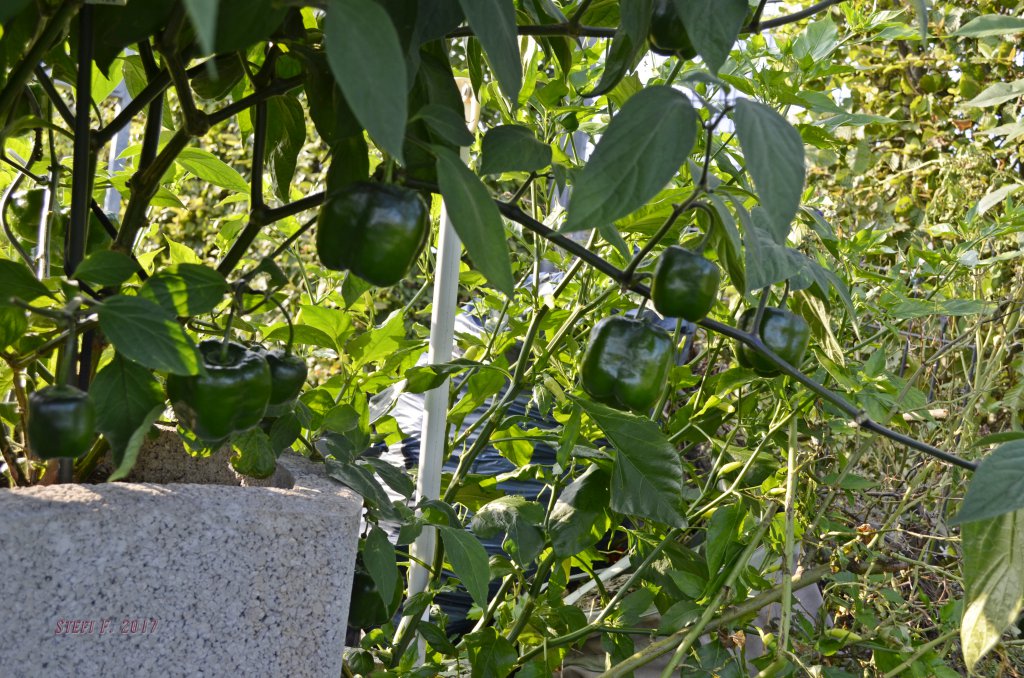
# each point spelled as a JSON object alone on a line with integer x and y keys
{"x": 218, "y": 79}
{"x": 359, "y": 479}
{"x": 989, "y": 25}
{"x": 647, "y": 479}
{"x": 774, "y": 153}
{"x": 476, "y": 219}
{"x": 376, "y": 89}
{"x": 11, "y": 8}
{"x": 124, "y": 393}
{"x": 286, "y": 134}
{"x": 640, "y": 152}
{"x": 512, "y": 148}
{"x": 16, "y": 280}
{"x": 816, "y": 43}
{"x": 713, "y": 26}
{"x": 241, "y": 23}
{"x": 996, "y": 94}
{"x": 185, "y": 289}
{"x": 518, "y": 518}
{"x": 580, "y": 516}
{"x": 13, "y": 324}
{"x": 125, "y": 458}
{"x": 997, "y": 487}
{"x": 494, "y": 22}
{"x": 106, "y": 268}
{"x": 490, "y": 655}
{"x": 628, "y": 44}
{"x": 144, "y": 332}
{"x": 469, "y": 561}
{"x": 446, "y": 124}
{"x": 767, "y": 262}
{"x": 921, "y": 9}
{"x": 210, "y": 168}
{"x": 993, "y": 552}
{"x": 724, "y": 530}
{"x": 254, "y": 454}
{"x": 394, "y": 477}
{"x": 379, "y": 557}
{"x": 115, "y": 27}
{"x": 328, "y": 109}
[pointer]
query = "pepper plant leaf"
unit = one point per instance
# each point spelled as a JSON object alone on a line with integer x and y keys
{"x": 124, "y": 393}
{"x": 469, "y": 561}
{"x": 993, "y": 582}
{"x": 713, "y": 26}
{"x": 647, "y": 478}
{"x": 376, "y": 89}
{"x": 476, "y": 219}
{"x": 774, "y": 153}
{"x": 494, "y": 22}
{"x": 640, "y": 152}
{"x": 144, "y": 332}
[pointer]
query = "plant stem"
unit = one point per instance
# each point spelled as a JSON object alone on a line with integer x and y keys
{"x": 22, "y": 71}
{"x": 590, "y": 628}
{"x": 10, "y": 459}
{"x": 652, "y": 242}
{"x": 538, "y": 581}
{"x": 920, "y": 651}
{"x": 683, "y": 640}
{"x": 788, "y": 556}
{"x": 82, "y": 169}
{"x": 144, "y": 185}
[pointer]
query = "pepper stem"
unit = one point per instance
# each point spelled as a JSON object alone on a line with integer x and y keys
{"x": 288, "y": 319}
{"x": 65, "y": 370}
{"x": 759, "y": 315}
{"x": 227, "y": 329}
{"x": 703, "y": 244}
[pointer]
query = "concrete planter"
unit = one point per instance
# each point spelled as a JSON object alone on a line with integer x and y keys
{"x": 178, "y": 579}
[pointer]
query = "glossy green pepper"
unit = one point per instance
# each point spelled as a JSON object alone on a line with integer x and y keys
{"x": 231, "y": 397}
{"x": 626, "y": 363}
{"x": 685, "y": 284}
{"x": 25, "y": 212}
{"x": 375, "y": 230}
{"x": 668, "y": 36}
{"x": 782, "y": 331}
{"x": 287, "y": 376}
{"x": 61, "y": 422}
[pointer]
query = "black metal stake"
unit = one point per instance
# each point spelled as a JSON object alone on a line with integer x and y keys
{"x": 81, "y": 174}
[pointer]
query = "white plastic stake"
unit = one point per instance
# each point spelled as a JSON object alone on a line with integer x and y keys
{"x": 442, "y": 342}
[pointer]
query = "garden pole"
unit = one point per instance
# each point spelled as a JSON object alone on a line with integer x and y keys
{"x": 442, "y": 340}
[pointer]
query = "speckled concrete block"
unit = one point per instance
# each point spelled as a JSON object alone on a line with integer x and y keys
{"x": 139, "y": 579}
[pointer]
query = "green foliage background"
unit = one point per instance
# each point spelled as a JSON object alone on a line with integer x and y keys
{"x": 903, "y": 257}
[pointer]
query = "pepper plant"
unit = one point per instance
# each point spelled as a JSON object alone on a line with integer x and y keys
{"x": 778, "y": 176}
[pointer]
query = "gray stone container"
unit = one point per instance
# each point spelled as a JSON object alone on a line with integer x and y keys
{"x": 179, "y": 578}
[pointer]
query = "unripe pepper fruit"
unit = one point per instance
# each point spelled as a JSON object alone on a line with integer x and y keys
{"x": 685, "y": 284}
{"x": 626, "y": 363}
{"x": 374, "y": 230}
{"x": 287, "y": 375}
{"x": 25, "y": 212}
{"x": 668, "y": 36}
{"x": 782, "y": 331}
{"x": 231, "y": 397}
{"x": 61, "y": 422}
